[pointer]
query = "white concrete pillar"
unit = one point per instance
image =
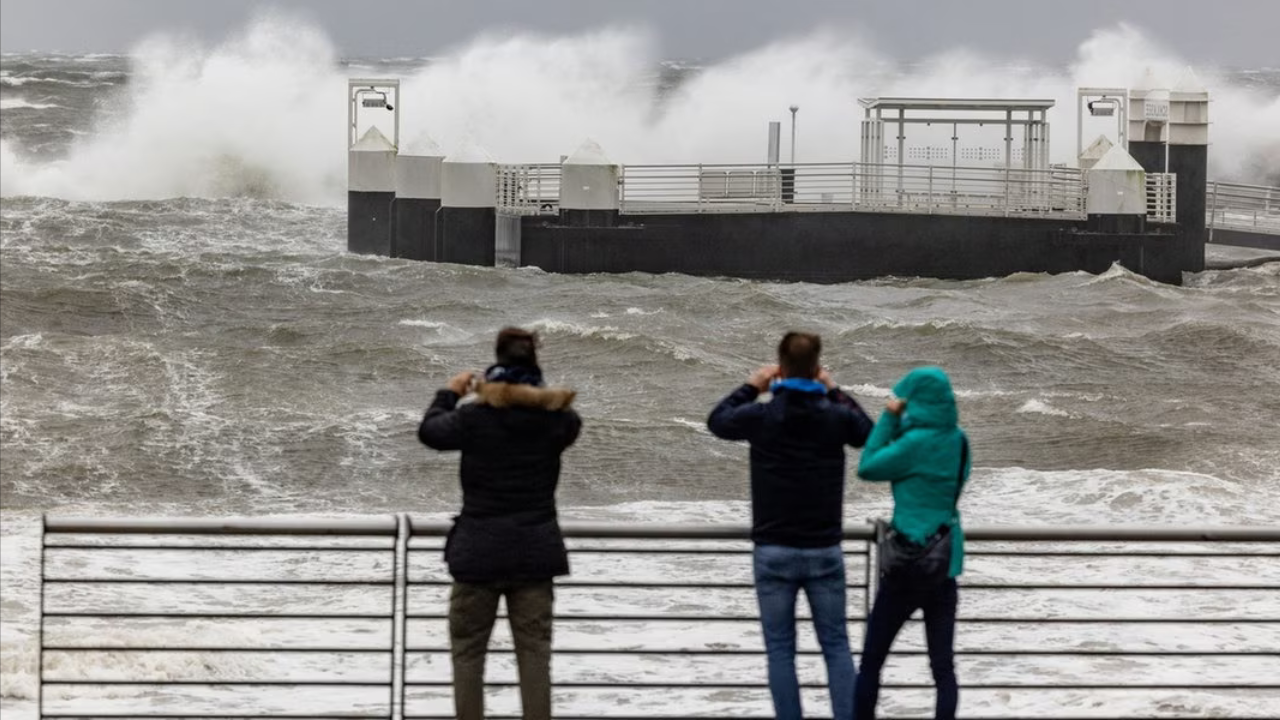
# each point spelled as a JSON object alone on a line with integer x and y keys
{"x": 419, "y": 171}
{"x": 589, "y": 192}
{"x": 1117, "y": 198}
{"x": 371, "y": 191}
{"x": 468, "y": 196}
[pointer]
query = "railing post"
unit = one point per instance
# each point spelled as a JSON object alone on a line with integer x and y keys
{"x": 44, "y": 520}
{"x": 700, "y": 193}
{"x": 1213, "y": 209}
{"x": 866, "y": 575}
{"x": 399, "y": 602}
{"x": 853, "y": 186}
{"x": 1006, "y": 190}
{"x": 622, "y": 187}
{"x": 929, "y": 198}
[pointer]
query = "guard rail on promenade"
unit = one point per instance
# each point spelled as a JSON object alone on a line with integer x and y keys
{"x": 1250, "y": 208}
{"x": 346, "y": 618}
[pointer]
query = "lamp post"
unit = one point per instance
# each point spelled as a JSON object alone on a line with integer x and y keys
{"x": 794, "y": 108}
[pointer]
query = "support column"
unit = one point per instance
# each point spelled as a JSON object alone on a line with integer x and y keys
{"x": 1189, "y": 161}
{"x": 467, "y": 208}
{"x": 371, "y": 191}
{"x": 589, "y": 188}
{"x": 418, "y": 183}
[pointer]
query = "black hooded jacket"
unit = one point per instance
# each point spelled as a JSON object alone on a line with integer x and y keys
{"x": 511, "y": 439}
{"x": 797, "y": 460}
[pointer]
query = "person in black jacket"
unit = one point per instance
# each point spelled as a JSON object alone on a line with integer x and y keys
{"x": 797, "y": 510}
{"x": 507, "y": 540}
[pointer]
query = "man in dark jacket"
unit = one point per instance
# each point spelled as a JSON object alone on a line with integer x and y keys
{"x": 506, "y": 541}
{"x": 797, "y": 510}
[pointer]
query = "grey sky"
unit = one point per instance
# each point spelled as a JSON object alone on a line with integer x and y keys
{"x": 1227, "y": 32}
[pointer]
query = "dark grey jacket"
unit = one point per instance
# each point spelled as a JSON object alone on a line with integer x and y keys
{"x": 511, "y": 440}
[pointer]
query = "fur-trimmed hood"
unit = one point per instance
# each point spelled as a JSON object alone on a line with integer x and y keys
{"x": 501, "y": 395}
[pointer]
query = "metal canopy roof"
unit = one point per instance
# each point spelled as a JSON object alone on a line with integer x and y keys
{"x": 901, "y": 103}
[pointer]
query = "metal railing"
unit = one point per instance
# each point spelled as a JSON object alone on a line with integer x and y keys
{"x": 1162, "y": 197}
{"x": 1250, "y": 208}
{"x": 657, "y": 189}
{"x": 528, "y": 189}
{"x": 348, "y": 619}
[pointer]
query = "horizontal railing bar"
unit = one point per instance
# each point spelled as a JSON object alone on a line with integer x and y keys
{"x": 1052, "y": 533}
{"x": 886, "y": 684}
{"x": 225, "y": 716}
{"x": 214, "y": 548}
{"x": 859, "y": 618}
{"x": 440, "y": 650}
{"x": 972, "y": 551}
{"x": 213, "y": 649}
{"x": 636, "y": 585}
{"x": 1109, "y": 586}
{"x": 1087, "y": 652}
{"x": 374, "y": 526}
{"x": 224, "y": 683}
{"x": 633, "y": 550}
{"x": 735, "y": 716}
{"x": 212, "y": 581}
{"x": 626, "y": 585}
{"x": 221, "y": 616}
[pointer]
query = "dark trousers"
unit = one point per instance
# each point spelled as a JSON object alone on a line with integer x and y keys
{"x": 895, "y": 601}
{"x": 472, "y": 611}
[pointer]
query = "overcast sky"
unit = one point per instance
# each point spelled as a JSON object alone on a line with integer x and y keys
{"x": 1226, "y": 32}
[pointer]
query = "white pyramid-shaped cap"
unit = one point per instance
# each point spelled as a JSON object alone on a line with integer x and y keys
{"x": 1097, "y": 148}
{"x": 1189, "y": 82}
{"x": 588, "y": 153}
{"x": 469, "y": 151}
{"x": 373, "y": 141}
{"x": 1117, "y": 158}
{"x": 422, "y": 146}
{"x": 1149, "y": 80}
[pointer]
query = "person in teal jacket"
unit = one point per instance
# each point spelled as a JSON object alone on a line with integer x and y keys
{"x": 918, "y": 446}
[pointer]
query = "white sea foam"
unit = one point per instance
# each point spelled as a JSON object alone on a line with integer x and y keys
{"x": 22, "y": 103}
{"x": 563, "y": 327}
{"x": 1040, "y": 407}
{"x": 258, "y": 115}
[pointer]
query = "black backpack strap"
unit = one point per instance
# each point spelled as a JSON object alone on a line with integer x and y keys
{"x": 964, "y": 460}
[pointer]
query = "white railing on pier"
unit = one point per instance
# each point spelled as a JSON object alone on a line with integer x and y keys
{"x": 1250, "y": 208}
{"x": 1162, "y": 197}
{"x": 528, "y": 189}
{"x": 658, "y": 189}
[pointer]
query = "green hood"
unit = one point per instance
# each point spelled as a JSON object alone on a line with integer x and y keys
{"x": 930, "y": 399}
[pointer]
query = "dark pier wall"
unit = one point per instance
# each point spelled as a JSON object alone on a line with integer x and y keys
{"x": 1191, "y": 164}
{"x": 466, "y": 236}
{"x": 369, "y": 221}
{"x": 415, "y": 229}
{"x": 1244, "y": 238}
{"x": 843, "y": 246}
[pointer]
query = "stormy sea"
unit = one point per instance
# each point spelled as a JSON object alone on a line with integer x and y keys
{"x": 183, "y": 333}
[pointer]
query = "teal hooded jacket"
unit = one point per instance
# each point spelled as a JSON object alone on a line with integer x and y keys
{"x": 919, "y": 452}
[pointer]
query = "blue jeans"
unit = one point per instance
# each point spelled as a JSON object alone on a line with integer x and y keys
{"x": 895, "y": 601}
{"x": 780, "y": 573}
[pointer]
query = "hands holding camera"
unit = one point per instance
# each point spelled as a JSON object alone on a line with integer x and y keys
{"x": 463, "y": 382}
{"x": 762, "y": 378}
